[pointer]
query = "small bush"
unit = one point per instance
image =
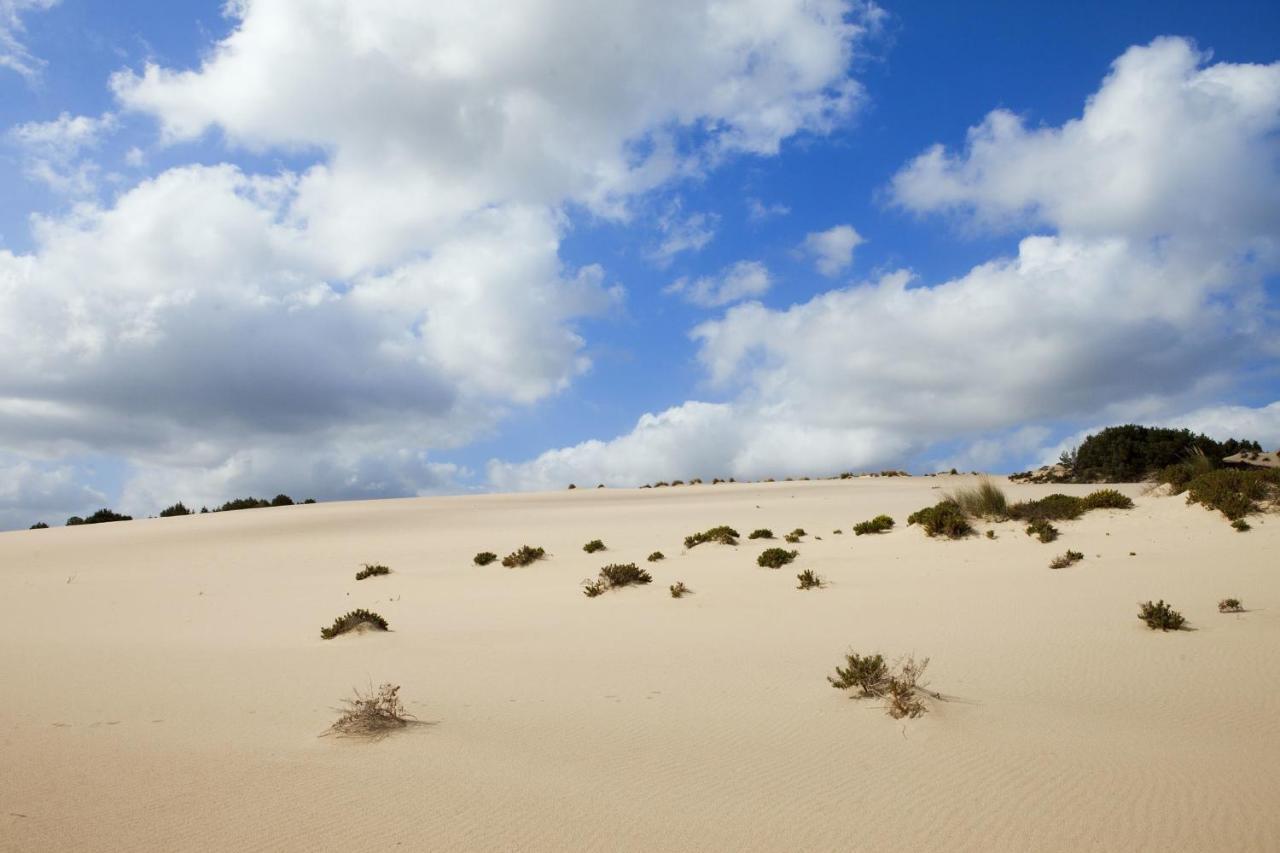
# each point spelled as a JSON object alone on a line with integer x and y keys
{"x": 572, "y": 486}
{"x": 799, "y": 531}
{"x": 809, "y": 580}
{"x": 1055, "y": 507}
{"x": 723, "y": 534}
{"x": 678, "y": 589}
{"x": 309, "y": 501}
{"x": 1233, "y": 492}
{"x": 177, "y": 509}
{"x": 352, "y": 620}
{"x": 1241, "y": 525}
{"x": 656, "y": 556}
{"x": 902, "y": 692}
{"x": 901, "y": 688}
{"x": 867, "y": 674}
{"x": 775, "y": 558}
{"x": 523, "y": 556}
{"x": 1043, "y": 530}
{"x": 370, "y": 571}
{"x": 1160, "y": 616}
{"x": 984, "y": 500}
{"x": 762, "y": 533}
{"x": 593, "y": 546}
{"x": 943, "y": 519}
{"x": 1107, "y": 499}
{"x": 791, "y": 538}
{"x": 879, "y": 524}
{"x": 102, "y": 516}
{"x": 484, "y": 558}
{"x": 837, "y": 532}
{"x": 282, "y": 500}
{"x": 614, "y": 576}
{"x": 1230, "y": 605}
{"x": 991, "y": 534}
{"x": 1063, "y": 560}
{"x": 593, "y": 588}
{"x": 373, "y": 715}
{"x": 39, "y": 525}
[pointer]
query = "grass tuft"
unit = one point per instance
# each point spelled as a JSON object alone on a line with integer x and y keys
{"x": 775, "y": 558}
{"x": 370, "y": 571}
{"x": 879, "y": 524}
{"x": 809, "y": 580}
{"x": 593, "y": 546}
{"x": 484, "y": 558}
{"x": 523, "y": 556}
{"x": 351, "y": 621}
{"x": 372, "y": 715}
{"x": 1161, "y": 617}
{"x": 724, "y": 534}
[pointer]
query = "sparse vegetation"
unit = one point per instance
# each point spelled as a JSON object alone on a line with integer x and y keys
{"x": 865, "y": 674}
{"x": 879, "y": 524}
{"x": 761, "y": 533}
{"x": 353, "y": 620}
{"x": 1063, "y": 560}
{"x": 991, "y": 534}
{"x": 791, "y": 538}
{"x": 809, "y": 580}
{"x": 592, "y": 588}
{"x": 39, "y": 525}
{"x": 943, "y": 519}
{"x": 1042, "y": 530}
{"x": 723, "y": 534}
{"x": 1107, "y": 499}
{"x": 372, "y": 715}
{"x": 1233, "y": 492}
{"x": 593, "y": 546}
{"x": 799, "y": 531}
{"x": 901, "y": 688}
{"x": 656, "y": 556}
{"x": 1230, "y": 605}
{"x": 616, "y": 575}
{"x": 484, "y": 558}
{"x": 523, "y": 556}
{"x": 373, "y": 570}
{"x": 775, "y": 558}
{"x": 177, "y": 509}
{"x": 984, "y": 500}
{"x": 678, "y": 589}
{"x": 1241, "y": 525}
{"x": 1129, "y": 453}
{"x": 1055, "y": 507}
{"x": 1160, "y": 616}
{"x": 102, "y": 516}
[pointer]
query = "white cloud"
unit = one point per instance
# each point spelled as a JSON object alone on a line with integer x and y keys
{"x": 681, "y": 233}
{"x": 832, "y": 250}
{"x": 1146, "y": 309}
{"x": 40, "y": 491}
{"x": 52, "y": 150}
{"x": 13, "y": 53}
{"x": 742, "y": 280}
{"x": 1261, "y": 424}
{"x": 758, "y": 211}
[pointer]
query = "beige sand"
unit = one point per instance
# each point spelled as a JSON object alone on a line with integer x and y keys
{"x": 164, "y": 681}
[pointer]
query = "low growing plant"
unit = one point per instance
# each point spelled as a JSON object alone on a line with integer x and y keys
{"x": 484, "y": 558}
{"x": 943, "y": 519}
{"x": 762, "y": 533}
{"x": 523, "y": 556}
{"x": 809, "y": 580}
{"x": 1160, "y": 616}
{"x": 372, "y": 715}
{"x": 984, "y": 500}
{"x": 353, "y": 620}
{"x": 867, "y": 674}
{"x": 1107, "y": 499}
{"x": 1241, "y": 525}
{"x": 901, "y": 688}
{"x": 879, "y": 524}
{"x": 1043, "y": 530}
{"x": 656, "y": 556}
{"x": 593, "y": 546}
{"x": 678, "y": 589}
{"x": 1055, "y": 507}
{"x": 775, "y": 558}
{"x": 616, "y": 575}
{"x": 723, "y": 534}
{"x": 372, "y": 571}
{"x": 1230, "y": 605}
{"x": 1063, "y": 560}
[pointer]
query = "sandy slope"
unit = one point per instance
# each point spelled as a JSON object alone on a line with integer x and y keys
{"x": 164, "y": 680}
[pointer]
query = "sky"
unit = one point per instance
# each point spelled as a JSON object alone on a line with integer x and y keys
{"x": 389, "y": 248}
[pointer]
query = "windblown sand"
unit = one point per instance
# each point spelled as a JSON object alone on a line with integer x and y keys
{"x": 164, "y": 681}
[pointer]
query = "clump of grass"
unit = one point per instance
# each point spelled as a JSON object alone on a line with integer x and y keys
{"x": 616, "y": 575}
{"x": 593, "y": 546}
{"x": 1230, "y": 605}
{"x": 353, "y": 620}
{"x": 1232, "y": 492}
{"x": 902, "y": 688}
{"x": 1160, "y": 616}
{"x": 791, "y": 538}
{"x": 678, "y": 589}
{"x": 1055, "y": 507}
{"x": 724, "y": 534}
{"x": 523, "y": 556}
{"x": 799, "y": 531}
{"x": 372, "y": 715}
{"x": 775, "y": 558}
{"x": 984, "y": 500}
{"x": 484, "y": 558}
{"x": 943, "y": 519}
{"x": 1043, "y": 530}
{"x": 761, "y": 533}
{"x": 879, "y": 524}
{"x": 1241, "y": 525}
{"x": 809, "y": 580}
{"x": 1063, "y": 560}
{"x": 1107, "y": 499}
{"x": 656, "y": 556}
{"x": 370, "y": 571}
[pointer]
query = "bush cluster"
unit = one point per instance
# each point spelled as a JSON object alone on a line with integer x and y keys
{"x": 724, "y": 534}
{"x": 775, "y": 558}
{"x": 1241, "y": 525}
{"x": 656, "y": 556}
{"x": 177, "y": 509}
{"x": 1230, "y": 605}
{"x": 614, "y": 576}
{"x": 593, "y": 546}
{"x": 523, "y": 556}
{"x": 1130, "y": 453}
{"x": 100, "y": 517}
{"x": 1233, "y": 492}
{"x": 1043, "y": 530}
{"x": 39, "y": 525}
{"x": 1063, "y": 560}
{"x": 879, "y": 524}
{"x": 352, "y": 620}
{"x": 901, "y": 688}
{"x": 943, "y": 519}
{"x": 984, "y": 500}
{"x": 761, "y": 533}
{"x": 1160, "y": 616}
{"x": 373, "y": 570}
{"x": 1106, "y": 499}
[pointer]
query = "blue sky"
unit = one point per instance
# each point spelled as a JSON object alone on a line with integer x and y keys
{"x": 358, "y": 250}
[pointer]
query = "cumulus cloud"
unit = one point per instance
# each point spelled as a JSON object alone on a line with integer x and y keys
{"x": 743, "y": 280}
{"x": 32, "y": 491}
{"x": 1147, "y": 298}
{"x": 51, "y": 150}
{"x": 832, "y": 250}
{"x": 14, "y": 55}
{"x": 682, "y": 233}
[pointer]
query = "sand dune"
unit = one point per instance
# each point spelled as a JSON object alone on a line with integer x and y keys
{"x": 165, "y": 683}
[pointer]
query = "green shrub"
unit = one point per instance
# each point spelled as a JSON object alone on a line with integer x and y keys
{"x": 1063, "y": 560}
{"x": 1241, "y": 525}
{"x": 177, "y": 509}
{"x": 616, "y": 575}
{"x": 791, "y": 538}
{"x": 1107, "y": 499}
{"x": 1160, "y": 616}
{"x": 879, "y": 524}
{"x": 656, "y": 556}
{"x": 484, "y": 558}
{"x": 984, "y": 500}
{"x": 309, "y": 501}
{"x": 243, "y": 503}
{"x": 593, "y": 588}
{"x": 991, "y": 534}
{"x": 352, "y": 620}
{"x": 837, "y": 532}
{"x": 1043, "y": 530}
{"x": 39, "y": 525}
{"x": 102, "y": 516}
{"x": 723, "y": 534}
{"x": 762, "y": 533}
{"x": 282, "y": 500}
{"x": 799, "y": 531}
{"x": 1055, "y": 507}
{"x": 1233, "y": 492}
{"x": 1126, "y": 454}
{"x": 1230, "y": 605}
{"x": 775, "y": 558}
{"x": 523, "y": 556}
{"x": 808, "y": 580}
{"x": 372, "y": 571}
{"x": 900, "y": 688}
{"x": 593, "y": 546}
{"x": 678, "y": 589}
{"x": 943, "y": 519}
{"x": 866, "y": 674}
